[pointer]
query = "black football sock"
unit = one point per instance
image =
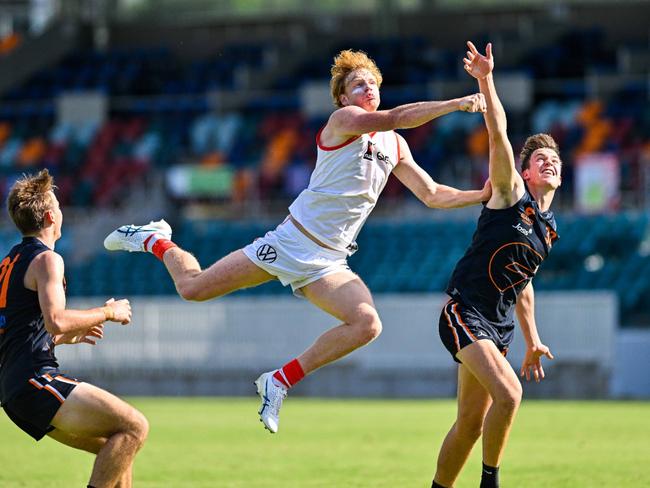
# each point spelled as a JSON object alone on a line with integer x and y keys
{"x": 489, "y": 477}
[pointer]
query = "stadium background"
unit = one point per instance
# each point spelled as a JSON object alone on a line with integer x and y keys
{"x": 205, "y": 113}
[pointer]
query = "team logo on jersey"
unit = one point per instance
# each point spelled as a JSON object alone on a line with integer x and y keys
{"x": 267, "y": 253}
{"x": 380, "y": 155}
{"x": 368, "y": 154}
{"x": 513, "y": 264}
{"x": 527, "y": 215}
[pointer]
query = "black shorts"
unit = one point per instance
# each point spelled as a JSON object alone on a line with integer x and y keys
{"x": 459, "y": 326}
{"x": 34, "y": 407}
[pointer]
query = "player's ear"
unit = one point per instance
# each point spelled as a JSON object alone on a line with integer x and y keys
{"x": 344, "y": 100}
{"x": 525, "y": 174}
{"x": 48, "y": 217}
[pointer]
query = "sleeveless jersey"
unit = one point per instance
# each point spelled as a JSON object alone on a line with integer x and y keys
{"x": 508, "y": 246}
{"x": 344, "y": 187}
{"x": 26, "y": 347}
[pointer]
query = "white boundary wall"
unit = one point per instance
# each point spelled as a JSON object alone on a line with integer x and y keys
{"x": 236, "y": 334}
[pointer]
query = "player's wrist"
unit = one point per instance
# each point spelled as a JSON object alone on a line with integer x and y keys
{"x": 109, "y": 313}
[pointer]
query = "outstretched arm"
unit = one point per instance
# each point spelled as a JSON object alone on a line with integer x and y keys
{"x": 508, "y": 187}
{"x": 45, "y": 275}
{"x": 432, "y": 194}
{"x": 352, "y": 120}
{"x": 525, "y": 309}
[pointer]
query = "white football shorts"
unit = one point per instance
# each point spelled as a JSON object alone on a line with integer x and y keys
{"x": 293, "y": 258}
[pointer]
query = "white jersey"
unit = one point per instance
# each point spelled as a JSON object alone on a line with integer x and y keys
{"x": 345, "y": 186}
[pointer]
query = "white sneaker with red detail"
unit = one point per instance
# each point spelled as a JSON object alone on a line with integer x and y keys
{"x": 132, "y": 237}
{"x": 272, "y": 396}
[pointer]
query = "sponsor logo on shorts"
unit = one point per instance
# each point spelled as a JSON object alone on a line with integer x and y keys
{"x": 267, "y": 253}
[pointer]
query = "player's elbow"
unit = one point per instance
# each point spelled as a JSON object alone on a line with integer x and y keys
{"x": 433, "y": 200}
{"x": 54, "y": 326}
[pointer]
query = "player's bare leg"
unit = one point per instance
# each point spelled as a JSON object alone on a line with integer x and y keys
{"x": 495, "y": 374}
{"x": 94, "y": 419}
{"x": 473, "y": 404}
{"x": 232, "y": 272}
{"x": 92, "y": 445}
{"x": 345, "y": 296}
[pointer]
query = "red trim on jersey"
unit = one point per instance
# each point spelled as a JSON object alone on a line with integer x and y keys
{"x": 339, "y": 146}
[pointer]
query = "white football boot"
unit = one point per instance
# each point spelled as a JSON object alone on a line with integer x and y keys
{"x": 132, "y": 237}
{"x": 272, "y": 397}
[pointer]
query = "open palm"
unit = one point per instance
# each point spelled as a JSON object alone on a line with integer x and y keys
{"x": 476, "y": 64}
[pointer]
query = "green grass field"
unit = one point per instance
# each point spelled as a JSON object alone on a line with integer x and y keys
{"x": 218, "y": 442}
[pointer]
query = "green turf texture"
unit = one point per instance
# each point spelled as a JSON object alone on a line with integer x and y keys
{"x": 219, "y": 442}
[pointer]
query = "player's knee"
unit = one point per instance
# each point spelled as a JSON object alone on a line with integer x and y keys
{"x": 510, "y": 399}
{"x": 369, "y": 326}
{"x": 136, "y": 428}
{"x": 141, "y": 428}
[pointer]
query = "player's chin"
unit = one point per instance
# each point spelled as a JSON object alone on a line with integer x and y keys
{"x": 551, "y": 181}
{"x": 371, "y": 105}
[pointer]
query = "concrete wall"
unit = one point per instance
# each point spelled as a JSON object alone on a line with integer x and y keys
{"x": 219, "y": 347}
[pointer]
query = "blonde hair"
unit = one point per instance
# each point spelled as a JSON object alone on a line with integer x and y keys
{"x": 538, "y": 141}
{"x": 345, "y": 63}
{"x": 29, "y": 198}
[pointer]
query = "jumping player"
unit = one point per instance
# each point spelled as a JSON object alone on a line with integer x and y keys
{"x": 357, "y": 151}
{"x": 34, "y": 393}
{"x": 491, "y": 282}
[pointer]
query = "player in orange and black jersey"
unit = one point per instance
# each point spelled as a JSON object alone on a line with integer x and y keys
{"x": 491, "y": 283}
{"x": 25, "y": 344}
{"x": 34, "y": 393}
{"x": 508, "y": 246}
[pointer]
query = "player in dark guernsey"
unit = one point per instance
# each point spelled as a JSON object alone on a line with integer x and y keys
{"x": 492, "y": 282}
{"x": 34, "y": 393}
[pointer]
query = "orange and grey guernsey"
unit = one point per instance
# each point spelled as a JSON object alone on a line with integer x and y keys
{"x": 26, "y": 347}
{"x": 345, "y": 186}
{"x": 507, "y": 248}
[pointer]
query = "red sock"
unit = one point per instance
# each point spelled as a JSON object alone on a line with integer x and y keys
{"x": 289, "y": 374}
{"x": 159, "y": 246}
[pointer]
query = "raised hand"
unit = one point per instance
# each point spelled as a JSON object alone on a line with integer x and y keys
{"x": 473, "y": 103}
{"x": 476, "y": 64}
